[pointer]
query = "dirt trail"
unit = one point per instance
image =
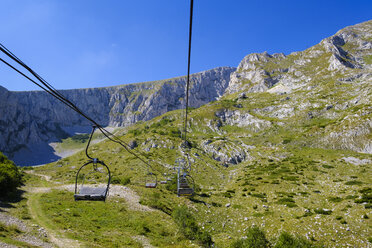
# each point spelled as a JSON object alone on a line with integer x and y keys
{"x": 130, "y": 196}
{"x": 25, "y": 236}
{"x": 56, "y": 238}
{"x": 4, "y": 245}
{"x": 46, "y": 177}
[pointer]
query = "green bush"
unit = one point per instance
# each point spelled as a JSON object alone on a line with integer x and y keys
{"x": 172, "y": 185}
{"x": 366, "y": 196}
{"x": 286, "y": 240}
{"x": 81, "y": 138}
{"x": 125, "y": 180}
{"x": 155, "y": 200}
{"x": 354, "y": 183}
{"x": 323, "y": 211}
{"x": 174, "y": 132}
{"x": 335, "y": 199}
{"x": 10, "y": 176}
{"x": 188, "y": 226}
{"x": 289, "y": 202}
{"x": 255, "y": 239}
{"x": 120, "y": 180}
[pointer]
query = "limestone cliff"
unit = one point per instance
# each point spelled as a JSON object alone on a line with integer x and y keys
{"x": 32, "y": 117}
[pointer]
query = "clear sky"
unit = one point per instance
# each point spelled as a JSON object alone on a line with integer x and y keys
{"x": 96, "y": 43}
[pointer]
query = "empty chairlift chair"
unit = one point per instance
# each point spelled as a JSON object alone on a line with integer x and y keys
{"x": 185, "y": 185}
{"x": 151, "y": 180}
{"x": 92, "y": 184}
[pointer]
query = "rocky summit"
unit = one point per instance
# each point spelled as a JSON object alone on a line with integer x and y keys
{"x": 330, "y": 82}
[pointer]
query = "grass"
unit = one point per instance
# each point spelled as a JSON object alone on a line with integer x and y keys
{"x": 290, "y": 174}
{"x": 107, "y": 224}
{"x": 368, "y": 59}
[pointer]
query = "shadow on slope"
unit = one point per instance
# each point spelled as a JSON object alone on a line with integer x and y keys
{"x": 44, "y": 152}
{"x": 38, "y": 154}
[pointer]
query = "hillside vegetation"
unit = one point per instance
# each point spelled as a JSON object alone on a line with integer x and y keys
{"x": 283, "y": 159}
{"x": 10, "y": 176}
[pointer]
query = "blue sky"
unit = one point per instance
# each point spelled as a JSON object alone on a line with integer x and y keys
{"x": 92, "y": 43}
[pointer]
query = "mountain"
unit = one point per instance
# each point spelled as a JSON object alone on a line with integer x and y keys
{"x": 329, "y": 83}
{"x": 286, "y": 150}
{"x": 31, "y": 119}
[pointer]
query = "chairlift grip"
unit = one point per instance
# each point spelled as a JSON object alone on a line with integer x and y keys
{"x": 90, "y": 138}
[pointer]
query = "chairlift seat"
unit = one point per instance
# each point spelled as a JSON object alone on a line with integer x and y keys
{"x": 151, "y": 180}
{"x": 92, "y": 192}
{"x": 150, "y": 185}
{"x": 184, "y": 188}
{"x": 185, "y": 191}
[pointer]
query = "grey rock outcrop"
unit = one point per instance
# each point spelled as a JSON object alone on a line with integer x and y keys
{"x": 310, "y": 79}
{"x": 33, "y": 117}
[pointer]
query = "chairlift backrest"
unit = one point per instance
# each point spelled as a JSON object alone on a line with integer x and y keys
{"x": 92, "y": 191}
{"x": 151, "y": 180}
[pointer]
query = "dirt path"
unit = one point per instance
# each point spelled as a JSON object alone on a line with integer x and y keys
{"x": 46, "y": 177}
{"x": 25, "y": 236}
{"x": 56, "y": 238}
{"x": 4, "y": 245}
{"x": 130, "y": 196}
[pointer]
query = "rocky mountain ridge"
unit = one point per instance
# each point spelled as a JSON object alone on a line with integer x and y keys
{"x": 330, "y": 82}
{"x": 33, "y": 117}
{"x": 327, "y": 85}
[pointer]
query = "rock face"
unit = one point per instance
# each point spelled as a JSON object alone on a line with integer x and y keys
{"x": 28, "y": 118}
{"x": 347, "y": 49}
{"x": 322, "y": 94}
{"x": 330, "y": 82}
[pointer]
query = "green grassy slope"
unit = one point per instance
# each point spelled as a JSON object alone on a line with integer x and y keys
{"x": 286, "y": 182}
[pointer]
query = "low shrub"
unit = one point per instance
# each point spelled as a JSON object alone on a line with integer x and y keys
{"x": 81, "y": 138}
{"x": 335, "y": 199}
{"x": 155, "y": 200}
{"x": 355, "y": 182}
{"x": 216, "y": 204}
{"x": 172, "y": 185}
{"x": 10, "y": 176}
{"x": 288, "y": 201}
{"x": 120, "y": 180}
{"x": 188, "y": 226}
{"x": 286, "y": 240}
{"x": 255, "y": 238}
{"x": 323, "y": 211}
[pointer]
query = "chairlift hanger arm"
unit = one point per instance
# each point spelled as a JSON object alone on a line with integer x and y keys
{"x": 90, "y": 138}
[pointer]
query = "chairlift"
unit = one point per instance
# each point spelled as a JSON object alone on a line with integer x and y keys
{"x": 94, "y": 184}
{"x": 151, "y": 180}
{"x": 91, "y": 187}
{"x": 185, "y": 185}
